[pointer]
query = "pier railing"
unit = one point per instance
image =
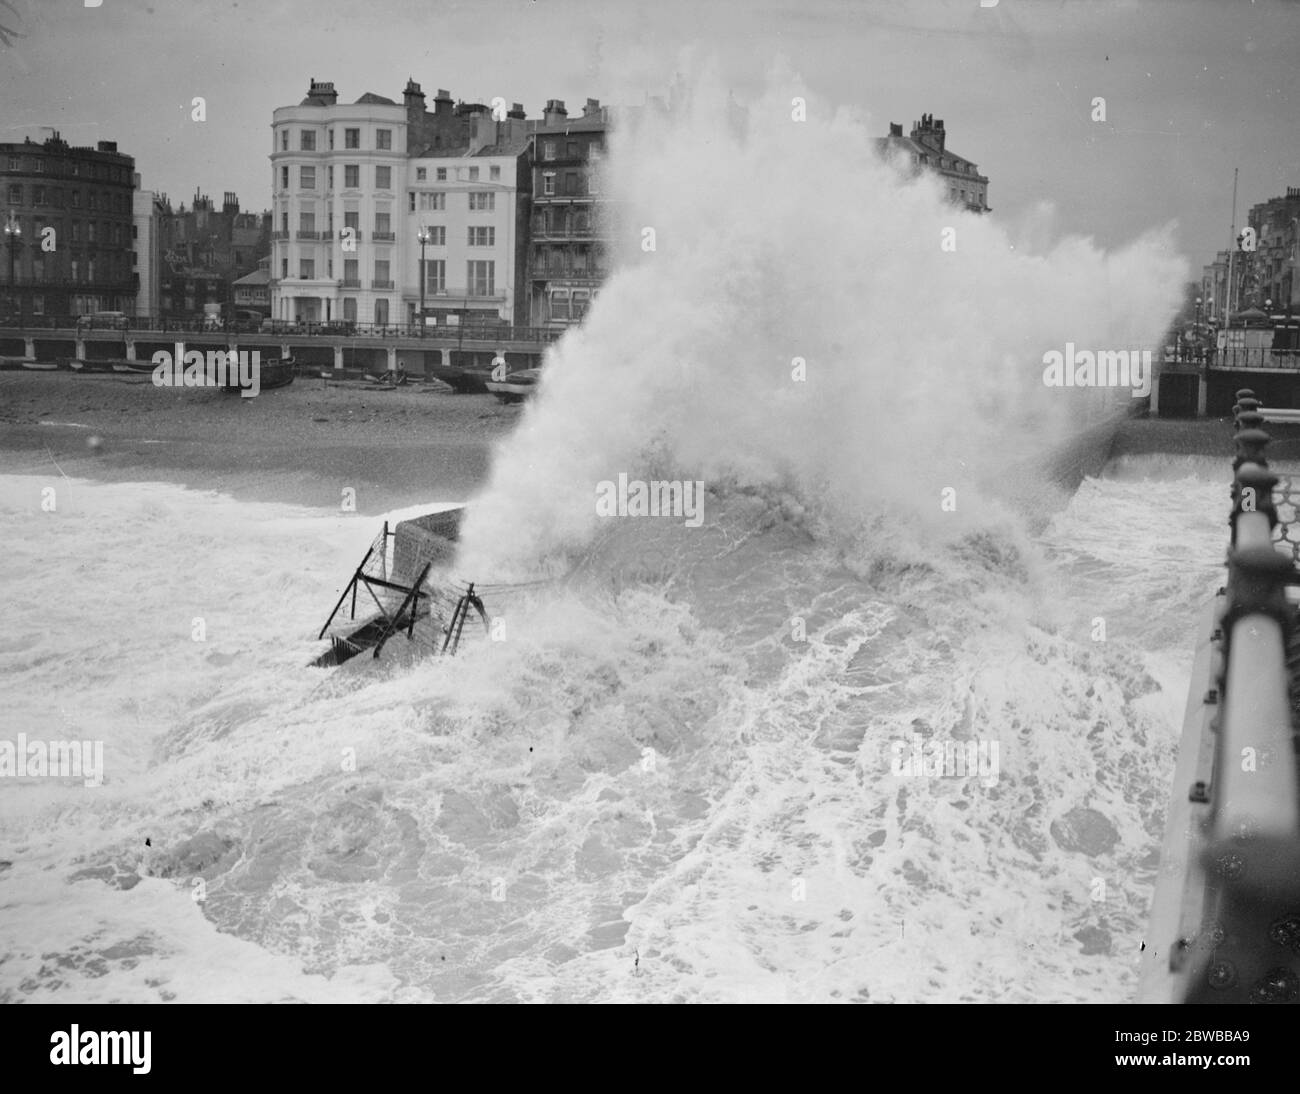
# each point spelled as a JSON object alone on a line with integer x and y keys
{"x": 1239, "y": 937}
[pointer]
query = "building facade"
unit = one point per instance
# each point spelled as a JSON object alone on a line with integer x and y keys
{"x": 204, "y": 250}
{"x": 353, "y": 186}
{"x": 69, "y": 212}
{"x": 1266, "y": 277}
{"x": 338, "y": 175}
{"x": 474, "y": 214}
{"x": 926, "y": 149}
{"x": 149, "y": 211}
{"x": 567, "y": 256}
{"x": 1270, "y": 271}
{"x": 252, "y": 291}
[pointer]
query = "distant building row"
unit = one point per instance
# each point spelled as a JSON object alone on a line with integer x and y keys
{"x": 499, "y": 209}
{"x": 1265, "y": 269}
{"x": 481, "y": 215}
{"x": 508, "y": 208}
{"x": 82, "y": 236}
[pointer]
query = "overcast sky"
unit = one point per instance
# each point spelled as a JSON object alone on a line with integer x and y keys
{"x": 1192, "y": 87}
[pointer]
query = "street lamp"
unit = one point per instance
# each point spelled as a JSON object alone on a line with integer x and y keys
{"x": 13, "y": 236}
{"x": 424, "y": 237}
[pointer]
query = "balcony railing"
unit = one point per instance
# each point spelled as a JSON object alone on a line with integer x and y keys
{"x": 383, "y": 237}
{"x": 589, "y": 273}
{"x": 377, "y": 284}
{"x": 356, "y": 232}
{"x": 304, "y": 234}
{"x": 279, "y": 235}
{"x": 351, "y": 282}
{"x": 561, "y": 234}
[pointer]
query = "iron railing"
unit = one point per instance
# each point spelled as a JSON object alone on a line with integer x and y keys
{"x": 1235, "y": 358}
{"x": 66, "y": 327}
{"x": 1238, "y": 883}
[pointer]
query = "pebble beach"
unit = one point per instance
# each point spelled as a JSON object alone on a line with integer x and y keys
{"x": 302, "y": 444}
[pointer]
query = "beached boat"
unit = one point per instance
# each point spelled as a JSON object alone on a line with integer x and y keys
{"x": 277, "y": 372}
{"x": 16, "y": 362}
{"x": 40, "y": 366}
{"x": 105, "y": 364}
{"x": 515, "y": 387}
{"x": 463, "y": 381}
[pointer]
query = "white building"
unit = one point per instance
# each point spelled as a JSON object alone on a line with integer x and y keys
{"x": 350, "y": 197}
{"x": 338, "y": 174}
{"x": 470, "y": 208}
{"x": 147, "y": 210}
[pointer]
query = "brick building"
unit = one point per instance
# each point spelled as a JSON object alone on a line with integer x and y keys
{"x": 86, "y": 196}
{"x": 926, "y": 149}
{"x": 567, "y": 256}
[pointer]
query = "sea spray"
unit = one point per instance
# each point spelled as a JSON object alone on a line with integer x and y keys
{"x": 800, "y": 319}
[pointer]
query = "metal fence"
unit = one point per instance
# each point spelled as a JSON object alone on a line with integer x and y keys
{"x": 467, "y": 332}
{"x": 1232, "y": 852}
{"x": 1237, "y": 358}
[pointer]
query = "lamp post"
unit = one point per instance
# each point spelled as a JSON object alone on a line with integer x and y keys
{"x": 424, "y": 237}
{"x": 13, "y": 236}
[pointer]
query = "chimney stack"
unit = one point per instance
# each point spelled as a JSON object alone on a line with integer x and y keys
{"x": 323, "y": 89}
{"x": 555, "y": 114}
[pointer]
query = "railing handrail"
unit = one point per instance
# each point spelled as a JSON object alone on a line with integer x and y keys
{"x": 1240, "y": 880}
{"x": 65, "y": 327}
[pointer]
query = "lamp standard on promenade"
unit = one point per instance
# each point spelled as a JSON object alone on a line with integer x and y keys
{"x": 424, "y": 237}
{"x": 13, "y": 237}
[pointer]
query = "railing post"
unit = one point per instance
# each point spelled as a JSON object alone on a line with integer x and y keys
{"x": 1244, "y": 949}
{"x": 1250, "y": 448}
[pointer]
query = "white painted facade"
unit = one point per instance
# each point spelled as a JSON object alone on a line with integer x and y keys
{"x": 470, "y": 206}
{"x": 318, "y": 271}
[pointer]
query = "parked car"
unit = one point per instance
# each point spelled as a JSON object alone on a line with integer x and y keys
{"x": 244, "y": 321}
{"x": 338, "y": 326}
{"x": 103, "y": 320}
{"x": 280, "y": 326}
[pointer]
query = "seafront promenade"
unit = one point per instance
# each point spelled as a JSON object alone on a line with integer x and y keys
{"x": 321, "y": 345}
